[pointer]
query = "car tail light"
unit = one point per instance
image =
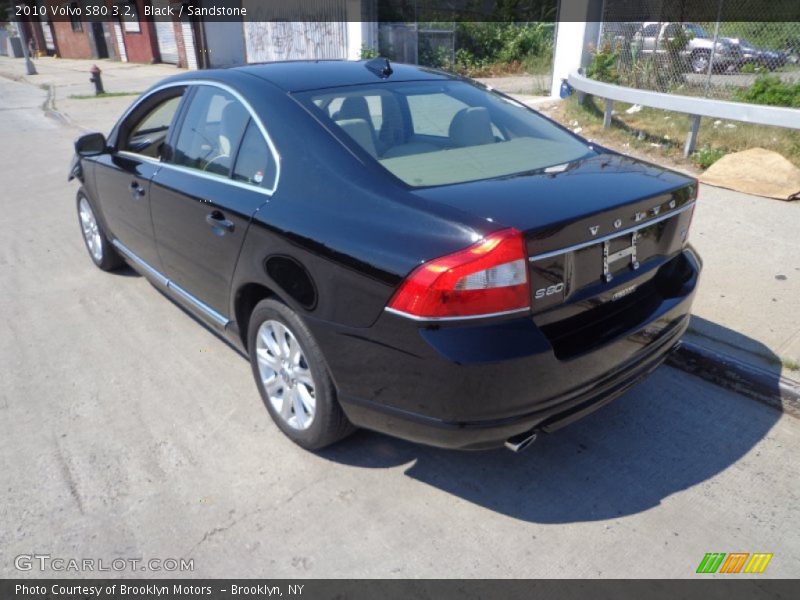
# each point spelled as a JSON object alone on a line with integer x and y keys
{"x": 489, "y": 277}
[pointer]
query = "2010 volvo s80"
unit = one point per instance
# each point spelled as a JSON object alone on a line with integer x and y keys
{"x": 394, "y": 247}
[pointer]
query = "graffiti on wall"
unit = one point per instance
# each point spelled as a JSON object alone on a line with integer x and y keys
{"x": 295, "y": 40}
{"x": 274, "y": 31}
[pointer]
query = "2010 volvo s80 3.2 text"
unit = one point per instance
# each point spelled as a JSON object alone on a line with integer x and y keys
{"x": 395, "y": 248}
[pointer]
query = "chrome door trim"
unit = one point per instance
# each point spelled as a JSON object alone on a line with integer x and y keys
{"x": 614, "y": 235}
{"x": 212, "y": 177}
{"x": 187, "y": 83}
{"x": 201, "y": 306}
{"x": 141, "y": 157}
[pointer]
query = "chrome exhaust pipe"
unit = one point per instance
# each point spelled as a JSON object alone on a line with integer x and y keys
{"x": 519, "y": 442}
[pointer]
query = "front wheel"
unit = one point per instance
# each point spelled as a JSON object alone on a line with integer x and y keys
{"x": 100, "y": 249}
{"x": 293, "y": 378}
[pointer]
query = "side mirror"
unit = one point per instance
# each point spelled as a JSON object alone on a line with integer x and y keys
{"x": 91, "y": 144}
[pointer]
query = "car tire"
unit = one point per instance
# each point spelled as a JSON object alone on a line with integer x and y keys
{"x": 700, "y": 61}
{"x": 292, "y": 377}
{"x": 102, "y": 253}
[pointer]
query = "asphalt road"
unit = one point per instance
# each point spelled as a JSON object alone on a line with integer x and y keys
{"x": 127, "y": 430}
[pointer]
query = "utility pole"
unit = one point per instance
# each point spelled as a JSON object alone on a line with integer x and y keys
{"x": 24, "y": 40}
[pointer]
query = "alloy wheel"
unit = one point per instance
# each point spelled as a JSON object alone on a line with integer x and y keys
{"x": 91, "y": 232}
{"x": 285, "y": 374}
{"x": 700, "y": 63}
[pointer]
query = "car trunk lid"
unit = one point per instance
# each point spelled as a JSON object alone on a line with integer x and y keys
{"x": 598, "y": 235}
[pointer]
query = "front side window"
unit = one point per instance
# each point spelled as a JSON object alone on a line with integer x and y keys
{"x": 211, "y": 131}
{"x": 444, "y": 132}
{"x": 148, "y": 132}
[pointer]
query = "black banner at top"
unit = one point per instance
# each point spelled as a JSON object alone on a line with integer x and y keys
{"x": 408, "y": 11}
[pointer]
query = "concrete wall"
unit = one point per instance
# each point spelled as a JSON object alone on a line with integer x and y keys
{"x": 295, "y": 40}
{"x": 574, "y": 39}
{"x": 344, "y": 27}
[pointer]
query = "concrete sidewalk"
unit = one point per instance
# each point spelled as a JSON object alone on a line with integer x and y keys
{"x": 748, "y": 302}
{"x": 748, "y": 299}
{"x": 67, "y": 79}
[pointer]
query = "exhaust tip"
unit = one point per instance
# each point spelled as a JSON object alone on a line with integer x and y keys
{"x": 518, "y": 443}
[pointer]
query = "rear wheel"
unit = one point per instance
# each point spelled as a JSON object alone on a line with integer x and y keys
{"x": 293, "y": 378}
{"x": 100, "y": 249}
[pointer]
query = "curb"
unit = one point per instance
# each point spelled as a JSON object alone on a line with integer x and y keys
{"x": 732, "y": 374}
{"x": 49, "y": 107}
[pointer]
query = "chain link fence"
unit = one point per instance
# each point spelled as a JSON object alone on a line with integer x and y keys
{"x": 427, "y": 44}
{"x": 728, "y": 60}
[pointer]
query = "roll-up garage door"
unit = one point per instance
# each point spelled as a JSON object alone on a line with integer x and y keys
{"x": 165, "y": 34}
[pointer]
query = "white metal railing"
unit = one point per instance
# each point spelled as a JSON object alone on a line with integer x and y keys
{"x": 693, "y": 106}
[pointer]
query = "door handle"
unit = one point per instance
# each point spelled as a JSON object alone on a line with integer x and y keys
{"x": 218, "y": 221}
{"x": 137, "y": 191}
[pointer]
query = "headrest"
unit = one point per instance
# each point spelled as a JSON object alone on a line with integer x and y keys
{"x": 353, "y": 107}
{"x": 471, "y": 127}
{"x": 361, "y": 132}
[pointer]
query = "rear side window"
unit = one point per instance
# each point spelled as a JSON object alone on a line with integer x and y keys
{"x": 211, "y": 131}
{"x": 254, "y": 162}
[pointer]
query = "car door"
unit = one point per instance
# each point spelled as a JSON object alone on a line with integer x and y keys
{"x": 221, "y": 170}
{"x": 122, "y": 177}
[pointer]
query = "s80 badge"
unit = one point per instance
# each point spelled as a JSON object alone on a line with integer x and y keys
{"x": 548, "y": 291}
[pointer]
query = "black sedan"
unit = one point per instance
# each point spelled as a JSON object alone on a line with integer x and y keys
{"x": 760, "y": 57}
{"x": 394, "y": 247}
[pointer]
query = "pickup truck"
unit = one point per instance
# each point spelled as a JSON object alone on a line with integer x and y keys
{"x": 696, "y": 54}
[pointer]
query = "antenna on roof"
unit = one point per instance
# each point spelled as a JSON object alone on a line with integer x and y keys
{"x": 380, "y": 66}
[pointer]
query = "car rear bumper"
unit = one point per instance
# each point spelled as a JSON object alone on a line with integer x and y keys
{"x": 474, "y": 386}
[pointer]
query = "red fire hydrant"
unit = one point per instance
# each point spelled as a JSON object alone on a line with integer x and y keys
{"x": 97, "y": 80}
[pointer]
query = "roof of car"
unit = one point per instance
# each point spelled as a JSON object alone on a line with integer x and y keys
{"x": 295, "y": 76}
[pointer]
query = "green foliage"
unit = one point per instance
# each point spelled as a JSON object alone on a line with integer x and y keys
{"x": 103, "y": 95}
{"x": 368, "y": 52}
{"x": 707, "y": 156}
{"x": 435, "y": 56}
{"x": 766, "y": 34}
{"x": 604, "y": 64}
{"x": 481, "y": 45}
{"x": 771, "y": 90}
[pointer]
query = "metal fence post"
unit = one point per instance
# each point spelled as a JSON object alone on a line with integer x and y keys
{"x": 691, "y": 138}
{"x": 607, "y": 115}
{"x": 713, "y": 49}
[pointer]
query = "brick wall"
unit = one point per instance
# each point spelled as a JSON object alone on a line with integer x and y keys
{"x": 141, "y": 47}
{"x": 72, "y": 44}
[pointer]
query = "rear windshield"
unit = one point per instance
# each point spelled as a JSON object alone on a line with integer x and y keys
{"x": 438, "y": 133}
